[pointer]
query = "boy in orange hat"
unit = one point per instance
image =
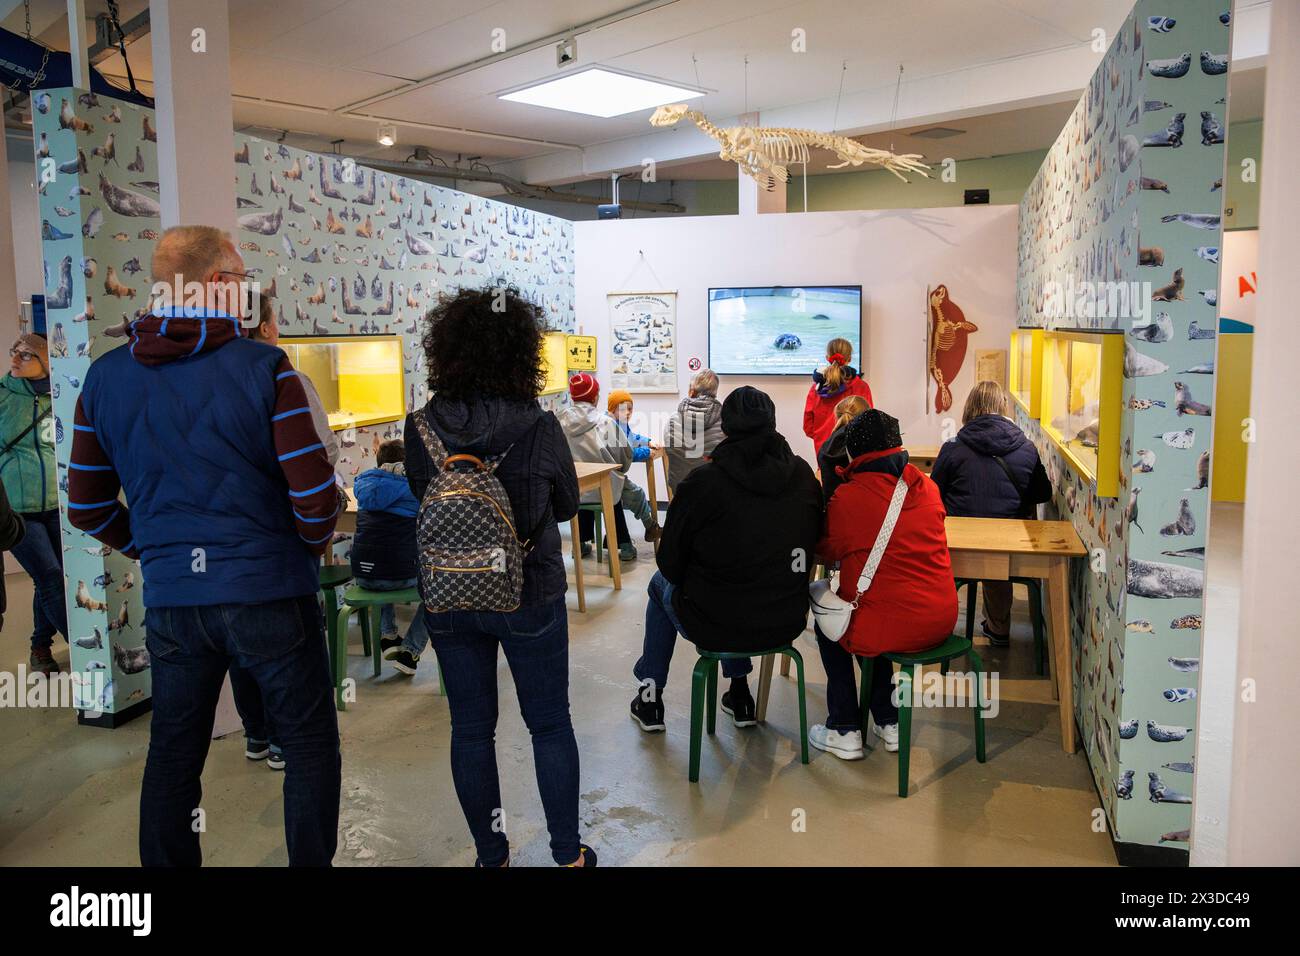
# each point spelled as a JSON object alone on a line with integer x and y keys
{"x": 595, "y": 436}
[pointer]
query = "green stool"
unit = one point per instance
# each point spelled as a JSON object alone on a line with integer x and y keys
{"x": 954, "y": 646}
{"x": 704, "y": 684}
{"x": 597, "y": 512}
{"x": 357, "y": 598}
{"x": 332, "y": 577}
{"x": 1035, "y": 587}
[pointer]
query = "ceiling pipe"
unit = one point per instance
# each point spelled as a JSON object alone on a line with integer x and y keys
{"x": 511, "y": 185}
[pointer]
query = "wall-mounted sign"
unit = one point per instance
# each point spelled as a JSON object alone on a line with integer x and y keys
{"x": 582, "y": 352}
{"x": 694, "y": 364}
{"x": 644, "y": 356}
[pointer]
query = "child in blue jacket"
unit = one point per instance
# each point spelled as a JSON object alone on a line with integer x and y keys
{"x": 384, "y": 551}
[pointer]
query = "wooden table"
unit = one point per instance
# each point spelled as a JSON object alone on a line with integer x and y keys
{"x": 593, "y": 476}
{"x": 922, "y": 456}
{"x": 656, "y": 453}
{"x": 996, "y": 549}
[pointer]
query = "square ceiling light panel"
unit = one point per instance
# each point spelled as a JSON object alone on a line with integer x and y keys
{"x": 597, "y": 91}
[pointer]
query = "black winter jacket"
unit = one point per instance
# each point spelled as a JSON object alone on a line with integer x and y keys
{"x": 12, "y": 530}
{"x": 737, "y": 544}
{"x": 538, "y": 473}
{"x": 974, "y": 485}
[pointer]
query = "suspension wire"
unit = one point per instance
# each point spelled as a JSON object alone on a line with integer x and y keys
{"x": 835, "y": 124}
{"x": 121, "y": 43}
{"x": 893, "y": 117}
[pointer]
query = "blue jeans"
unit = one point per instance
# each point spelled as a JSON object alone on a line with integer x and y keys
{"x": 536, "y": 643}
{"x": 416, "y": 636}
{"x": 281, "y": 646}
{"x": 252, "y": 713}
{"x": 661, "y": 630}
{"x": 842, "y": 702}
{"x": 40, "y": 554}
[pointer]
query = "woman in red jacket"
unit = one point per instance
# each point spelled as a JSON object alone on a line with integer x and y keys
{"x": 912, "y": 602}
{"x": 836, "y": 381}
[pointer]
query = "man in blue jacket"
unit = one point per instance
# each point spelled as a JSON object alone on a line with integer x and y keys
{"x": 383, "y": 550}
{"x": 232, "y": 502}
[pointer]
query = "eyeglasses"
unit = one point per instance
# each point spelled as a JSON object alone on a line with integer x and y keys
{"x": 242, "y": 275}
{"x": 23, "y": 354}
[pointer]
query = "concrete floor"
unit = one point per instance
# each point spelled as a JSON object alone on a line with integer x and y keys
{"x": 69, "y": 795}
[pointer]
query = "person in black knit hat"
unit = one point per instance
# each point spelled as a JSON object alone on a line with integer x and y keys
{"x": 733, "y": 559}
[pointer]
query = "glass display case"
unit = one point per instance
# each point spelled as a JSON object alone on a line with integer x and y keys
{"x": 1027, "y": 369}
{"x": 555, "y": 359}
{"x": 360, "y": 378}
{"x": 1081, "y": 394}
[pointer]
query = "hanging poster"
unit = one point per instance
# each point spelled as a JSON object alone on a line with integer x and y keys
{"x": 644, "y": 326}
{"x": 991, "y": 366}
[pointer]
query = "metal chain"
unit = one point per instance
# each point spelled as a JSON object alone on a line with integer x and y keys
{"x": 45, "y": 59}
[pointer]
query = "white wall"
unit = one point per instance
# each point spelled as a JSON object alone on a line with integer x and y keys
{"x": 26, "y": 223}
{"x": 892, "y": 254}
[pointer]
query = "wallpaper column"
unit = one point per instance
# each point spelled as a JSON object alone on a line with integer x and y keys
{"x": 1131, "y": 192}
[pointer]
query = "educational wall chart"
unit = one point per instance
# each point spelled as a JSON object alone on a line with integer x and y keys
{"x": 1121, "y": 230}
{"x": 342, "y": 249}
{"x": 644, "y": 335}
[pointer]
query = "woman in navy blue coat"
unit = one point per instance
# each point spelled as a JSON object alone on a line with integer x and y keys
{"x": 991, "y": 470}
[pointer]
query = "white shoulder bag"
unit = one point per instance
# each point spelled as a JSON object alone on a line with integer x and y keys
{"x": 832, "y": 612}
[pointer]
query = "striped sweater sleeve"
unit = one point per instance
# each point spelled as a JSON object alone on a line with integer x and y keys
{"x": 304, "y": 461}
{"x": 93, "y": 486}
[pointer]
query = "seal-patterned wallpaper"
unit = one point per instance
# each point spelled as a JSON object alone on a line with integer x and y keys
{"x": 1132, "y": 192}
{"x": 344, "y": 250}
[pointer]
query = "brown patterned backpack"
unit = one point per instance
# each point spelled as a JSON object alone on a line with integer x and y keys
{"x": 469, "y": 554}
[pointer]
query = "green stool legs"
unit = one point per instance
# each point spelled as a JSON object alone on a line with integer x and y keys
{"x": 977, "y": 666}
{"x": 1035, "y": 587}
{"x": 907, "y": 676}
{"x": 704, "y": 701}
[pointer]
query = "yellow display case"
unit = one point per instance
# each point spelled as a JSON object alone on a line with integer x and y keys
{"x": 555, "y": 359}
{"x": 360, "y": 378}
{"x": 1082, "y": 391}
{"x": 1027, "y": 370}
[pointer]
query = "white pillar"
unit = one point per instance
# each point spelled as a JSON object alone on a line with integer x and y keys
{"x": 78, "y": 48}
{"x": 1265, "y": 771}
{"x": 196, "y": 143}
{"x": 753, "y": 197}
{"x": 9, "y": 296}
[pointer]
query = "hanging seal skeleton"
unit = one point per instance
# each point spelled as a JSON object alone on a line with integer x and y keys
{"x": 766, "y": 152}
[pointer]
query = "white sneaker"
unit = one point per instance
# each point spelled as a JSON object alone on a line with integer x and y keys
{"x": 889, "y": 734}
{"x": 845, "y": 746}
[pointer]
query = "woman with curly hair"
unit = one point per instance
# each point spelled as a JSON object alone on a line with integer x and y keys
{"x": 484, "y": 354}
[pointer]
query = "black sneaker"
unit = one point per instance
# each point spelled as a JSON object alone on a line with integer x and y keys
{"x": 740, "y": 705}
{"x": 587, "y": 549}
{"x": 256, "y": 749}
{"x": 649, "y": 714}
{"x": 997, "y": 640}
{"x": 388, "y": 642}
{"x": 276, "y": 760}
{"x": 586, "y": 855}
{"x": 404, "y": 661}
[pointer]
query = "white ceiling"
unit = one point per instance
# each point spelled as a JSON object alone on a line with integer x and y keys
{"x": 304, "y": 60}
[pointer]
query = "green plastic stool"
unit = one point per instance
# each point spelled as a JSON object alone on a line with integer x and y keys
{"x": 332, "y": 577}
{"x": 954, "y": 646}
{"x": 357, "y": 598}
{"x": 1035, "y": 587}
{"x": 704, "y": 684}
{"x": 598, "y": 512}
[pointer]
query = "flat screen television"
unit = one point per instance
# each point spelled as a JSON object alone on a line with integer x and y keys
{"x": 781, "y": 330}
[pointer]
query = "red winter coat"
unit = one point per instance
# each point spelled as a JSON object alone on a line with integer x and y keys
{"x": 912, "y": 603}
{"x": 819, "y": 409}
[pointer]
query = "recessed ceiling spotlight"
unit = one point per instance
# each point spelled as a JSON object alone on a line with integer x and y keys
{"x": 599, "y": 91}
{"x": 387, "y": 135}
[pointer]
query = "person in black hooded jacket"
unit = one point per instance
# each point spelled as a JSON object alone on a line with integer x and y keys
{"x": 485, "y": 372}
{"x": 733, "y": 558}
{"x": 991, "y": 470}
